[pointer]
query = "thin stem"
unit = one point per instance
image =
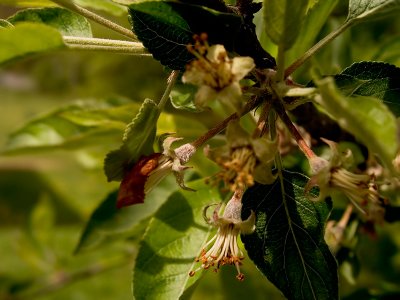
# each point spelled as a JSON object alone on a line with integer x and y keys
{"x": 293, "y": 130}
{"x": 100, "y": 42}
{"x": 115, "y": 49}
{"x": 300, "y": 61}
{"x": 281, "y": 65}
{"x": 221, "y": 126}
{"x": 345, "y": 217}
{"x": 95, "y": 17}
{"x": 170, "y": 84}
{"x": 95, "y": 44}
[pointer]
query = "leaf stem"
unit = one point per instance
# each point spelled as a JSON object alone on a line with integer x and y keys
{"x": 170, "y": 84}
{"x": 301, "y": 60}
{"x": 116, "y": 46}
{"x": 96, "y": 18}
{"x": 280, "y": 65}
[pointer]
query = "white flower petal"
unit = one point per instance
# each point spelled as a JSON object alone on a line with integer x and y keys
{"x": 231, "y": 95}
{"x": 241, "y": 66}
{"x": 215, "y": 53}
{"x": 204, "y": 94}
{"x": 193, "y": 76}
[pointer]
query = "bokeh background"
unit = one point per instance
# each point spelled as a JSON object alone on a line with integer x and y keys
{"x": 47, "y": 197}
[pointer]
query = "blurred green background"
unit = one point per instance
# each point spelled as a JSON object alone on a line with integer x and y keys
{"x": 46, "y": 198}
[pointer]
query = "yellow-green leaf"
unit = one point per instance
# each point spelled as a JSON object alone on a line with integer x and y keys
{"x": 26, "y": 39}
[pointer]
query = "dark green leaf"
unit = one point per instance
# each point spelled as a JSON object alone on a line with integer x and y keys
{"x": 166, "y": 27}
{"x": 65, "y": 21}
{"x": 288, "y": 244}
{"x": 283, "y": 20}
{"x": 137, "y": 141}
{"x": 74, "y": 126}
{"x": 376, "y": 79}
{"x": 107, "y": 223}
{"x": 361, "y": 10}
{"x": 172, "y": 241}
{"x": 182, "y": 97}
{"x": 28, "y": 38}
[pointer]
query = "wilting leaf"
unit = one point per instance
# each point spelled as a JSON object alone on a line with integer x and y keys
{"x": 375, "y": 79}
{"x": 367, "y": 118}
{"x": 288, "y": 244}
{"x": 65, "y": 21}
{"x": 173, "y": 239}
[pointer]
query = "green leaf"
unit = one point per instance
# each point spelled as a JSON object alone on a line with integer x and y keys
{"x": 173, "y": 239}
{"x": 282, "y": 20}
{"x": 105, "y": 5}
{"x": 72, "y": 127}
{"x": 5, "y": 24}
{"x": 375, "y": 79}
{"x": 389, "y": 51}
{"x": 315, "y": 18}
{"x": 288, "y": 244}
{"x": 163, "y": 32}
{"x": 108, "y": 6}
{"x": 182, "y": 97}
{"x": 28, "y": 38}
{"x": 362, "y": 10}
{"x": 107, "y": 223}
{"x": 166, "y": 27}
{"x": 65, "y": 21}
{"x": 137, "y": 141}
{"x": 367, "y": 118}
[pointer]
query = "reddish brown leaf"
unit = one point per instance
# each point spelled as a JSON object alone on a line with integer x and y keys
{"x": 131, "y": 190}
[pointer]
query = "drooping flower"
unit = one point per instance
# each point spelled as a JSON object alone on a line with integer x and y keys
{"x": 216, "y": 75}
{"x": 150, "y": 170}
{"x": 223, "y": 248}
{"x": 332, "y": 177}
{"x": 244, "y": 159}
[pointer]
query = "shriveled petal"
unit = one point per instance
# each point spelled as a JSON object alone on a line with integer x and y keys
{"x": 167, "y": 145}
{"x": 231, "y": 95}
{"x": 181, "y": 183}
{"x": 217, "y": 53}
{"x": 236, "y": 136}
{"x": 248, "y": 226}
{"x": 265, "y": 149}
{"x": 194, "y": 76}
{"x": 241, "y": 66}
{"x": 263, "y": 174}
{"x": 204, "y": 94}
{"x": 215, "y": 217}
